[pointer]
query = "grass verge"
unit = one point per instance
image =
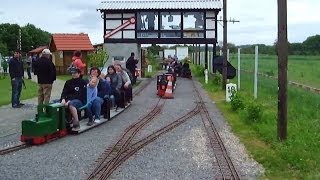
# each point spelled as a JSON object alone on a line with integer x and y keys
{"x": 296, "y": 158}
{"x": 5, "y": 90}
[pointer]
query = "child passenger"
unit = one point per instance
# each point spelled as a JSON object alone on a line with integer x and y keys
{"x": 94, "y": 105}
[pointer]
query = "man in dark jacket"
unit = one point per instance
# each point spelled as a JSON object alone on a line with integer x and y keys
{"x": 46, "y": 72}
{"x": 74, "y": 96}
{"x": 16, "y": 74}
{"x": 131, "y": 66}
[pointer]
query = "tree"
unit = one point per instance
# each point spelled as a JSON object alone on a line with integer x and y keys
{"x": 3, "y": 49}
{"x": 98, "y": 58}
{"x": 312, "y": 44}
{"x": 31, "y": 37}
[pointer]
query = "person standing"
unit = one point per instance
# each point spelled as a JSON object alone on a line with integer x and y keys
{"x": 46, "y": 73}
{"x": 4, "y": 65}
{"x": 77, "y": 62}
{"x": 131, "y": 66}
{"x": 16, "y": 74}
{"x": 29, "y": 67}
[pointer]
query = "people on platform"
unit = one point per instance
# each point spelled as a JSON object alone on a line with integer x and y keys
{"x": 46, "y": 73}
{"x": 16, "y": 74}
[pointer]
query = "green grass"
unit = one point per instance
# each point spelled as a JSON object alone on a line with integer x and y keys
{"x": 301, "y": 69}
{"x": 5, "y": 90}
{"x": 64, "y": 77}
{"x": 296, "y": 158}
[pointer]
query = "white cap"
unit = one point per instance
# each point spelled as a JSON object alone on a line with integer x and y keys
{"x": 46, "y": 51}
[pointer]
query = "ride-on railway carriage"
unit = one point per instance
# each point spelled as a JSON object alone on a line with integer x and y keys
{"x": 53, "y": 121}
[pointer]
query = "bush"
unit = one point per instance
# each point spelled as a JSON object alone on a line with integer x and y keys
{"x": 237, "y": 101}
{"x": 198, "y": 71}
{"x": 217, "y": 79}
{"x": 254, "y": 111}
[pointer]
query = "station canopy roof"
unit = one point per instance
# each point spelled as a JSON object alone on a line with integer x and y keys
{"x": 159, "y": 4}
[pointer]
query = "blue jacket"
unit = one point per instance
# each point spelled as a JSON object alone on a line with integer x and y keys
{"x": 16, "y": 68}
{"x": 104, "y": 88}
{"x": 91, "y": 93}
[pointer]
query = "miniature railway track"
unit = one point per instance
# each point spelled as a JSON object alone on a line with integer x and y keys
{"x": 13, "y": 148}
{"x": 111, "y": 155}
{"x": 133, "y": 148}
{"x": 224, "y": 163}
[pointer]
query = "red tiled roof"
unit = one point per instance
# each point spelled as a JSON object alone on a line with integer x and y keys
{"x": 38, "y": 49}
{"x": 72, "y": 42}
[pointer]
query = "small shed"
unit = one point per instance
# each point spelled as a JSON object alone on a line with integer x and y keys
{"x": 63, "y": 46}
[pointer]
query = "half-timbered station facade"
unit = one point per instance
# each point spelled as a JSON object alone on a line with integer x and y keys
{"x": 130, "y": 23}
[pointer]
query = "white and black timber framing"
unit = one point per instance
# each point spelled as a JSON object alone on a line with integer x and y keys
{"x": 162, "y": 40}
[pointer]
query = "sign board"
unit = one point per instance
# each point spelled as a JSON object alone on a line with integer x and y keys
{"x": 169, "y": 52}
{"x": 229, "y": 89}
{"x": 182, "y": 53}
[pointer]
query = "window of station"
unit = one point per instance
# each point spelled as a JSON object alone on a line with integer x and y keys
{"x": 171, "y": 34}
{"x": 193, "y": 21}
{"x": 170, "y": 21}
{"x": 147, "y": 21}
{"x": 193, "y": 34}
{"x": 147, "y": 35}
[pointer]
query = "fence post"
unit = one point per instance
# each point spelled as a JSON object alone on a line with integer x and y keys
{"x": 228, "y": 55}
{"x": 239, "y": 67}
{"x": 256, "y": 73}
{"x": 206, "y": 76}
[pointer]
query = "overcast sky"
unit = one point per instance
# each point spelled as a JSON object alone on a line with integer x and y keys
{"x": 258, "y": 19}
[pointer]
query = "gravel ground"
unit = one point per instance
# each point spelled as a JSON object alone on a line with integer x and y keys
{"x": 183, "y": 153}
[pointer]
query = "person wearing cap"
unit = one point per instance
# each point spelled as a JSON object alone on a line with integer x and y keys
{"x": 46, "y": 73}
{"x": 74, "y": 96}
{"x": 16, "y": 74}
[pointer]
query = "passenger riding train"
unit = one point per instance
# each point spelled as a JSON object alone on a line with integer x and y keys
{"x": 58, "y": 119}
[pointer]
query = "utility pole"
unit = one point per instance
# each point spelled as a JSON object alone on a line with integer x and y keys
{"x": 224, "y": 64}
{"x": 282, "y": 69}
{"x": 19, "y": 41}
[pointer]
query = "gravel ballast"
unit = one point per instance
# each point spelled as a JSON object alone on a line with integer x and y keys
{"x": 183, "y": 153}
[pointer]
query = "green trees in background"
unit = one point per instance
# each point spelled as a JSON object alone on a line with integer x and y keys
{"x": 311, "y": 46}
{"x": 31, "y": 37}
{"x": 98, "y": 58}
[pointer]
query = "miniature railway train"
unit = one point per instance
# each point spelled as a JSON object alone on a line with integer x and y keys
{"x": 53, "y": 121}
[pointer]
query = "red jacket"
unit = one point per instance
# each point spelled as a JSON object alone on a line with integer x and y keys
{"x": 77, "y": 62}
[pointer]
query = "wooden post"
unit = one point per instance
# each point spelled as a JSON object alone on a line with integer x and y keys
{"x": 224, "y": 64}
{"x": 104, "y": 17}
{"x": 282, "y": 69}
